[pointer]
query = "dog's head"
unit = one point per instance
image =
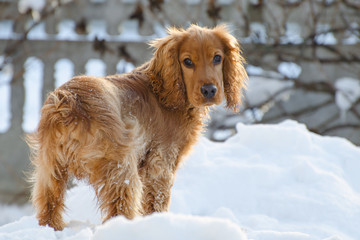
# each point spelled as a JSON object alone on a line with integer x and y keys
{"x": 198, "y": 66}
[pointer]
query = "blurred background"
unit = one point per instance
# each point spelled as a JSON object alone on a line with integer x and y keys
{"x": 303, "y": 59}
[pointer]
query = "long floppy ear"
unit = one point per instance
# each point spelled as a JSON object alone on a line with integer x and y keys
{"x": 234, "y": 73}
{"x": 166, "y": 78}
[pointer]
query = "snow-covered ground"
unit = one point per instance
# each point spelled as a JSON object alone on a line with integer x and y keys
{"x": 268, "y": 182}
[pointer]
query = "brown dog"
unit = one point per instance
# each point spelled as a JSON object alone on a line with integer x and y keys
{"x": 126, "y": 134}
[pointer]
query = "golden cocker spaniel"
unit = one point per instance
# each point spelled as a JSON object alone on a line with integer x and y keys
{"x": 126, "y": 134}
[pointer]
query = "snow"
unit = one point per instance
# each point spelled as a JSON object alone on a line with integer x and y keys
{"x": 266, "y": 182}
{"x": 223, "y": 134}
{"x": 35, "y": 5}
{"x": 170, "y": 226}
{"x": 13, "y": 212}
{"x": 289, "y": 69}
{"x": 323, "y": 36}
{"x": 292, "y": 34}
{"x": 347, "y": 93}
{"x": 352, "y": 35}
{"x": 258, "y": 32}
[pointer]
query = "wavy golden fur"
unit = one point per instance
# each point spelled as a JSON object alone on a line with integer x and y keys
{"x": 126, "y": 134}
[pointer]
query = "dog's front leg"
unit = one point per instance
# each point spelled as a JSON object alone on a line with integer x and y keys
{"x": 158, "y": 177}
{"x": 156, "y": 196}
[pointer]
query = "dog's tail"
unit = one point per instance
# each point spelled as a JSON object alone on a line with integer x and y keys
{"x": 61, "y": 110}
{"x": 66, "y": 115}
{"x": 70, "y": 116}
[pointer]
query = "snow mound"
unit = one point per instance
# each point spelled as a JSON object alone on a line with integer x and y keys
{"x": 275, "y": 179}
{"x": 163, "y": 226}
{"x": 268, "y": 182}
{"x": 170, "y": 226}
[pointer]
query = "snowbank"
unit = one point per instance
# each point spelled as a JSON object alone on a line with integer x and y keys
{"x": 267, "y": 182}
{"x": 170, "y": 226}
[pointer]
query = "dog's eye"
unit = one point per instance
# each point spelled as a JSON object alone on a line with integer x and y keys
{"x": 217, "y": 59}
{"x": 188, "y": 62}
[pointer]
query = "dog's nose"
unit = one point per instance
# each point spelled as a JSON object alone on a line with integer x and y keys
{"x": 208, "y": 90}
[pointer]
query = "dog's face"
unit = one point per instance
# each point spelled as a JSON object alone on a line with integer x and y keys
{"x": 198, "y": 67}
{"x": 201, "y": 59}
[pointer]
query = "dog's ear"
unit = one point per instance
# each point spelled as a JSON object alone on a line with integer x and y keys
{"x": 234, "y": 73}
{"x": 167, "y": 80}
